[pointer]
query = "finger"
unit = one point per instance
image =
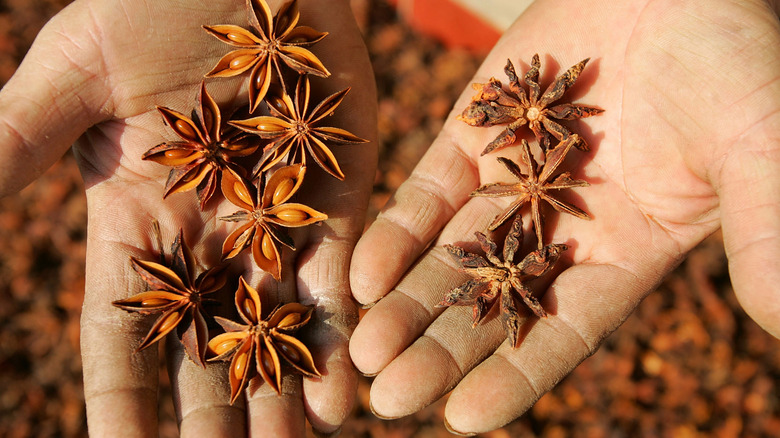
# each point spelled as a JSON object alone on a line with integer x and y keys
{"x": 202, "y": 397}
{"x": 120, "y": 385}
{"x": 434, "y": 363}
{"x": 423, "y": 204}
{"x": 323, "y": 263}
{"x": 323, "y": 282}
{"x": 751, "y": 228}
{"x": 53, "y": 97}
{"x": 271, "y": 414}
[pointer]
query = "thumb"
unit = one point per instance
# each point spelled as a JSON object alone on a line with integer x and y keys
{"x": 749, "y": 188}
{"x": 55, "y": 95}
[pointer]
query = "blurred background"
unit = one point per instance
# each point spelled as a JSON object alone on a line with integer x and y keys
{"x": 688, "y": 363}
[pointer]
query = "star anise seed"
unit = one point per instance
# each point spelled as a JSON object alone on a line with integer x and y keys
{"x": 265, "y": 343}
{"x": 494, "y": 106}
{"x": 535, "y": 187}
{"x": 276, "y": 40}
{"x": 494, "y": 276}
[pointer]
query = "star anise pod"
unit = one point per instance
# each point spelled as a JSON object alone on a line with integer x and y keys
{"x": 177, "y": 295}
{"x": 208, "y": 148}
{"x": 494, "y": 277}
{"x": 267, "y": 342}
{"x": 275, "y": 40}
{"x": 494, "y": 106}
{"x": 535, "y": 186}
{"x": 264, "y": 213}
{"x": 294, "y": 129}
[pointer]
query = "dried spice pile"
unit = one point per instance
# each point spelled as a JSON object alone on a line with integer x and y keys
{"x": 688, "y": 362}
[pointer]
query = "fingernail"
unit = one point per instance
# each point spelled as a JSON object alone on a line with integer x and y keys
{"x": 455, "y": 432}
{"x": 367, "y": 374}
{"x": 369, "y": 305}
{"x": 381, "y": 417}
{"x": 333, "y": 434}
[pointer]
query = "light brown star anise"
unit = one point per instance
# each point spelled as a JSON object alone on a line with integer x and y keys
{"x": 264, "y": 212}
{"x": 276, "y": 40}
{"x": 494, "y": 106}
{"x": 494, "y": 277}
{"x": 294, "y": 130}
{"x": 266, "y": 342}
{"x": 207, "y": 149}
{"x": 535, "y": 187}
{"x": 177, "y": 295}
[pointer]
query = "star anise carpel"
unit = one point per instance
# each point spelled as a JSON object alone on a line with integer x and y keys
{"x": 493, "y": 105}
{"x": 535, "y": 186}
{"x": 178, "y": 296}
{"x": 499, "y": 278}
{"x": 295, "y": 129}
{"x": 276, "y": 40}
{"x": 262, "y": 344}
{"x": 265, "y": 212}
{"x": 208, "y": 147}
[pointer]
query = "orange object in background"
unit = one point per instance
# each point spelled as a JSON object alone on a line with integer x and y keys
{"x": 474, "y": 25}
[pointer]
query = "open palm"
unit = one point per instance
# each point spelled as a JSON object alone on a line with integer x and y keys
{"x": 688, "y": 143}
{"x": 93, "y": 77}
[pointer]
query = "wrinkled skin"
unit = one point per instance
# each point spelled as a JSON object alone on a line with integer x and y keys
{"x": 93, "y": 77}
{"x": 689, "y": 143}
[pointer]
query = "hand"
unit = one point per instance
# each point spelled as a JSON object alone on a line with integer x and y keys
{"x": 688, "y": 143}
{"x": 93, "y": 77}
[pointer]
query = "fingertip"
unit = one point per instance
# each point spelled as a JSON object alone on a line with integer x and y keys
{"x": 750, "y": 220}
{"x": 756, "y": 287}
{"x": 383, "y": 333}
{"x": 377, "y": 262}
{"x": 470, "y": 408}
{"x": 361, "y": 347}
{"x": 419, "y": 377}
{"x": 329, "y": 400}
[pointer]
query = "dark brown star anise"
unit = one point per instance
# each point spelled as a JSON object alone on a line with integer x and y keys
{"x": 535, "y": 187}
{"x": 294, "y": 129}
{"x": 276, "y": 40}
{"x": 209, "y": 145}
{"x": 268, "y": 342}
{"x": 264, "y": 212}
{"x": 178, "y": 296}
{"x": 494, "y": 277}
{"x": 494, "y": 106}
